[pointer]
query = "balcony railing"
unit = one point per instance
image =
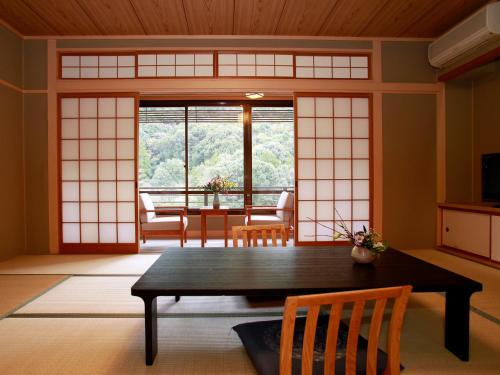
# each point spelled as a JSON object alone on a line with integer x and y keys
{"x": 195, "y": 197}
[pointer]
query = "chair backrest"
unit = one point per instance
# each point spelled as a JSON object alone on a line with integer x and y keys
{"x": 283, "y": 202}
{"x": 251, "y": 233}
{"x": 288, "y": 215}
{"x": 337, "y": 300}
{"x": 146, "y": 204}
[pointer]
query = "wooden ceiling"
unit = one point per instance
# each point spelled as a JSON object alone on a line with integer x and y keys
{"x": 355, "y": 18}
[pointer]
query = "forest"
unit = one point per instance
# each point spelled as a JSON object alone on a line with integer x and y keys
{"x": 215, "y": 147}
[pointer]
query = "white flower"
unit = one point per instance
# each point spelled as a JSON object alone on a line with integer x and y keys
{"x": 358, "y": 239}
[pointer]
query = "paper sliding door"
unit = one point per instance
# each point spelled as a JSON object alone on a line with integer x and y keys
{"x": 98, "y": 179}
{"x": 333, "y": 164}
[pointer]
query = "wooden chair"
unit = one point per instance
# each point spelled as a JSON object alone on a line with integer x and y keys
{"x": 250, "y": 234}
{"x": 173, "y": 221}
{"x": 330, "y": 363}
{"x": 282, "y": 213}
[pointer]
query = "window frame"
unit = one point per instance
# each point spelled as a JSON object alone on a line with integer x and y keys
{"x": 247, "y": 106}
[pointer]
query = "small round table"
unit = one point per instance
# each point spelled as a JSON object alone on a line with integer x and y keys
{"x": 210, "y": 211}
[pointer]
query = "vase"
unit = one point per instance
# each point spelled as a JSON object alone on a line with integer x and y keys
{"x": 216, "y": 202}
{"x": 362, "y": 255}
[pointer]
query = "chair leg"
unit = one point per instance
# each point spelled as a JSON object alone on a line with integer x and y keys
{"x": 185, "y": 236}
{"x": 182, "y": 240}
{"x": 143, "y": 239}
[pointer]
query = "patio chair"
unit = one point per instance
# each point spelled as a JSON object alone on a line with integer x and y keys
{"x": 172, "y": 222}
{"x": 282, "y": 213}
{"x": 321, "y": 343}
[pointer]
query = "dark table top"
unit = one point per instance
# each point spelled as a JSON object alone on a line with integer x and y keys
{"x": 288, "y": 271}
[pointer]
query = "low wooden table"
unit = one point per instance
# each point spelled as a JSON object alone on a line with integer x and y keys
{"x": 210, "y": 211}
{"x": 280, "y": 272}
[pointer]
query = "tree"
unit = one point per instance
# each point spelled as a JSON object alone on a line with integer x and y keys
{"x": 169, "y": 173}
{"x": 145, "y": 170}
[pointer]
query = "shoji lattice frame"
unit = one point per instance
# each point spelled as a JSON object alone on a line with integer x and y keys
{"x": 331, "y": 67}
{"x": 176, "y": 65}
{"x": 216, "y": 55}
{"x": 98, "y": 67}
{"x": 256, "y": 55}
{"x": 299, "y": 241}
{"x": 99, "y": 247}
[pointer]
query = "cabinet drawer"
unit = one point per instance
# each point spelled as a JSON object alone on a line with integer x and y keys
{"x": 467, "y": 231}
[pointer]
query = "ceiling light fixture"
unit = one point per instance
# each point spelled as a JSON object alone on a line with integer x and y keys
{"x": 254, "y": 95}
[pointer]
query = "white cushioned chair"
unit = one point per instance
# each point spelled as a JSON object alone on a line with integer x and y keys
{"x": 173, "y": 221}
{"x": 282, "y": 213}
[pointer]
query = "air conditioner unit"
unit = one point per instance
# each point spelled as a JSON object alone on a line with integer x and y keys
{"x": 480, "y": 28}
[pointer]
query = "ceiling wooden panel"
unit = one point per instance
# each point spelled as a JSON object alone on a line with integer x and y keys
{"x": 303, "y": 17}
{"x": 443, "y": 16}
{"x": 161, "y": 17}
{"x": 66, "y": 17}
{"x": 349, "y": 17}
{"x": 17, "y": 14}
{"x": 363, "y": 18}
{"x": 395, "y": 15}
{"x": 209, "y": 17}
{"x": 257, "y": 17}
{"x": 114, "y": 17}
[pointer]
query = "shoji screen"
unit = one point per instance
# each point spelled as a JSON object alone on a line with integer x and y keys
{"x": 98, "y": 210}
{"x": 333, "y": 152}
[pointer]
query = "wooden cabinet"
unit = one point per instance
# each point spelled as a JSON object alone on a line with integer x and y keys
{"x": 495, "y": 238}
{"x": 472, "y": 231}
{"x": 467, "y": 231}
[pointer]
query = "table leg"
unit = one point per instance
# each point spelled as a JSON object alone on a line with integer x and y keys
{"x": 456, "y": 329}
{"x": 225, "y": 230}
{"x": 203, "y": 229}
{"x": 151, "y": 330}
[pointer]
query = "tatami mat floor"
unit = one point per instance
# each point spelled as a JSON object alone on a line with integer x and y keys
{"x": 135, "y": 264}
{"x": 488, "y": 300}
{"x": 105, "y": 295}
{"x": 16, "y": 290}
{"x": 65, "y": 323}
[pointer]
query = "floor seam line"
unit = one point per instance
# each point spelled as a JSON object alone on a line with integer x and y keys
{"x": 160, "y": 316}
{"x": 485, "y": 315}
{"x": 11, "y": 312}
{"x": 476, "y": 310}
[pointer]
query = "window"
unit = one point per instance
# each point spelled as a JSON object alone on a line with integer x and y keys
{"x": 97, "y": 66}
{"x": 162, "y": 153}
{"x": 183, "y": 145}
{"x": 326, "y": 66}
{"x": 215, "y": 147}
{"x": 272, "y": 153}
{"x": 186, "y": 64}
{"x": 255, "y": 65}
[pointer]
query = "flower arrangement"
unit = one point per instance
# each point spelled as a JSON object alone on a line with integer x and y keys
{"x": 219, "y": 184}
{"x": 368, "y": 239}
